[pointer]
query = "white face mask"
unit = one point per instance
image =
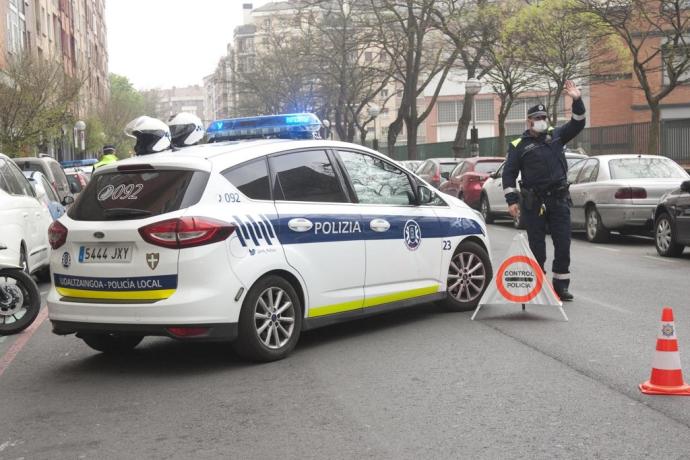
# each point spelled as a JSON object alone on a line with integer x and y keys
{"x": 540, "y": 126}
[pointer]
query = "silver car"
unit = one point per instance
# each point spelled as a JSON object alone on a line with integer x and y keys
{"x": 620, "y": 192}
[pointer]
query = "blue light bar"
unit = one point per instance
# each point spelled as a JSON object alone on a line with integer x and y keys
{"x": 78, "y": 163}
{"x": 285, "y": 126}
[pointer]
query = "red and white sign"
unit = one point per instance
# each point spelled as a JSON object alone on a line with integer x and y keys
{"x": 520, "y": 280}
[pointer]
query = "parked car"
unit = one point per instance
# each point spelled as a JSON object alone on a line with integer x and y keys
{"x": 672, "y": 222}
{"x": 620, "y": 192}
{"x": 411, "y": 165}
{"x": 492, "y": 202}
{"x": 47, "y": 194}
{"x": 24, "y": 218}
{"x": 437, "y": 170}
{"x": 51, "y": 169}
{"x": 77, "y": 180}
{"x": 467, "y": 178}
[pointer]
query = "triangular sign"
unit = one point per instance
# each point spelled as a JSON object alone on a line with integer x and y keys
{"x": 520, "y": 280}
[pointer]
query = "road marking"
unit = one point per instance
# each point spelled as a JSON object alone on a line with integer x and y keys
{"x": 609, "y": 249}
{"x": 17, "y": 346}
{"x": 660, "y": 259}
{"x": 604, "y": 304}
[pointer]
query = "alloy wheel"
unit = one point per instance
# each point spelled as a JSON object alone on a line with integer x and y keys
{"x": 592, "y": 224}
{"x": 466, "y": 277}
{"x": 274, "y": 318}
{"x": 663, "y": 235}
{"x": 12, "y": 301}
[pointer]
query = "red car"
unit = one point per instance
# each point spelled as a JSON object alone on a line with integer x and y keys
{"x": 467, "y": 178}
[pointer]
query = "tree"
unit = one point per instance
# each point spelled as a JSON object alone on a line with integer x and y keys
{"x": 421, "y": 58}
{"x": 656, "y": 34}
{"x": 473, "y": 27}
{"x": 36, "y": 100}
{"x": 560, "y": 40}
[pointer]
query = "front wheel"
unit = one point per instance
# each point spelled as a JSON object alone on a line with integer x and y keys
{"x": 665, "y": 238}
{"x": 111, "y": 343}
{"x": 596, "y": 232}
{"x": 270, "y": 321}
{"x": 469, "y": 274}
{"x": 19, "y": 301}
{"x": 485, "y": 209}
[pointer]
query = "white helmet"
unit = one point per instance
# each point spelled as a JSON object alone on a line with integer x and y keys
{"x": 152, "y": 135}
{"x": 186, "y": 129}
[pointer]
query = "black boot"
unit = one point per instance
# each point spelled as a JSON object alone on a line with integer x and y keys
{"x": 564, "y": 295}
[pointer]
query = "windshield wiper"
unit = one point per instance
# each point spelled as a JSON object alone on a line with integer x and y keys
{"x": 126, "y": 212}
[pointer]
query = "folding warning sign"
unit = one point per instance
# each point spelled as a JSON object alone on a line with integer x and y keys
{"x": 520, "y": 280}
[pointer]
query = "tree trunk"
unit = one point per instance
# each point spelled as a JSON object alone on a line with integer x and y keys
{"x": 502, "y": 132}
{"x": 654, "y": 129}
{"x": 460, "y": 144}
{"x": 393, "y": 131}
{"x": 411, "y": 139}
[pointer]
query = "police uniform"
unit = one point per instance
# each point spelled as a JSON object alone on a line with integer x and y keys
{"x": 544, "y": 190}
{"x": 107, "y": 157}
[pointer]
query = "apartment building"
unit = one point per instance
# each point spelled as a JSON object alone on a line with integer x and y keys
{"x": 184, "y": 99}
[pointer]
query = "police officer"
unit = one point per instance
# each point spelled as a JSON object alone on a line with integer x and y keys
{"x": 539, "y": 154}
{"x": 108, "y": 156}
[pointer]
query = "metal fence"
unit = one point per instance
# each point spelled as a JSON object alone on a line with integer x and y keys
{"x": 603, "y": 140}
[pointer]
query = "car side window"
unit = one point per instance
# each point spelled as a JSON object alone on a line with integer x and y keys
{"x": 50, "y": 193}
{"x": 59, "y": 175}
{"x": 589, "y": 172}
{"x": 14, "y": 186}
{"x": 24, "y": 184}
{"x": 307, "y": 176}
{"x": 456, "y": 172}
{"x": 251, "y": 179}
{"x": 574, "y": 171}
{"x": 4, "y": 184}
{"x": 376, "y": 181}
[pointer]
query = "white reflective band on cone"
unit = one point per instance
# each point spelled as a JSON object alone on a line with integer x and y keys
{"x": 666, "y": 360}
{"x": 561, "y": 276}
{"x": 577, "y": 117}
{"x": 508, "y": 190}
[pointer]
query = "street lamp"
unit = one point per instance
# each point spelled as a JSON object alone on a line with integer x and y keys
{"x": 80, "y": 136}
{"x": 374, "y": 111}
{"x": 327, "y": 129}
{"x": 472, "y": 88}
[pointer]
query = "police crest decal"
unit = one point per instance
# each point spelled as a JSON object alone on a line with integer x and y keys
{"x": 412, "y": 234}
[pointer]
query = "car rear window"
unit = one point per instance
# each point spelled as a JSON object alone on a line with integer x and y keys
{"x": 138, "y": 194}
{"x": 642, "y": 168}
{"x": 448, "y": 167}
{"x": 487, "y": 166}
{"x": 29, "y": 166}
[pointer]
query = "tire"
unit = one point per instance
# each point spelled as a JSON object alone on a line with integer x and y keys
{"x": 665, "y": 237}
{"x": 21, "y": 302}
{"x": 594, "y": 228}
{"x": 470, "y": 262}
{"x": 111, "y": 343}
{"x": 43, "y": 275}
{"x": 485, "y": 209}
{"x": 264, "y": 335}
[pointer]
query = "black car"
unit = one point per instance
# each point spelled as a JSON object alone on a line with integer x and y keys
{"x": 672, "y": 222}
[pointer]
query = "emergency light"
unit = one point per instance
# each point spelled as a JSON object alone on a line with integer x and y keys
{"x": 284, "y": 126}
{"x": 78, "y": 163}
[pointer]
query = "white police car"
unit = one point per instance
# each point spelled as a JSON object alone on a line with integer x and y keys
{"x": 254, "y": 241}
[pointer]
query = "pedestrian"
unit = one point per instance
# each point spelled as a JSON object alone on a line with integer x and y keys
{"x": 539, "y": 155}
{"x": 107, "y": 156}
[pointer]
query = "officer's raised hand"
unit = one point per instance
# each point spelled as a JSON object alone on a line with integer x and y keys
{"x": 572, "y": 90}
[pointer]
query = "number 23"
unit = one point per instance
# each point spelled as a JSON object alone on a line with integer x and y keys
{"x": 446, "y": 245}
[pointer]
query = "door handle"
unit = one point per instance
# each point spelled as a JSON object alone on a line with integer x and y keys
{"x": 300, "y": 224}
{"x": 26, "y": 215}
{"x": 379, "y": 225}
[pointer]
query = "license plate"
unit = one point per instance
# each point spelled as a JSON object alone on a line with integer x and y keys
{"x": 103, "y": 254}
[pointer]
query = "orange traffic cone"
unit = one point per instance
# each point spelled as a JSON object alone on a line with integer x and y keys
{"x": 667, "y": 376}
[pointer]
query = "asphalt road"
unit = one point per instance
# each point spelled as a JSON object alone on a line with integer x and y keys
{"x": 420, "y": 383}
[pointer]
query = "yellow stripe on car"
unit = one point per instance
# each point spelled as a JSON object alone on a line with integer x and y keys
{"x": 372, "y": 302}
{"x": 157, "y": 294}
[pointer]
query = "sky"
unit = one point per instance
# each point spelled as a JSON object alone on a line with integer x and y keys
{"x": 165, "y": 43}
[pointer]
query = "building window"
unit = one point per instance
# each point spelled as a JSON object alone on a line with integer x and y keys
{"x": 446, "y": 112}
{"x": 678, "y": 58}
{"x": 384, "y": 93}
{"x": 16, "y": 26}
{"x": 451, "y": 111}
{"x": 368, "y": 56}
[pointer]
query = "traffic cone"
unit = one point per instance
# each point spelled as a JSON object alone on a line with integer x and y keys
{"x": 667, "y": 376}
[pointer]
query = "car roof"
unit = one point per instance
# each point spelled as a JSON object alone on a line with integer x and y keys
{"x": 34, "y": 159}
{"x": 230, "y": 153}
{"x": 572, "y": 155}
{"x": 621, "y": 156}
{"x": 482, "y": 159}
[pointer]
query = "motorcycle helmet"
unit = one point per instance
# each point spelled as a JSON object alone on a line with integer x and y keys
{"x": 152, "y": 135}
{"x": 186, "y": 129}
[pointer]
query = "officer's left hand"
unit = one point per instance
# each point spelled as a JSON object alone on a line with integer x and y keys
{"x": 572, "y": 90}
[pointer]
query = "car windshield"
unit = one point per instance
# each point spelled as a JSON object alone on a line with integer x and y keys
{"x": 572, "y": 161}
{"x": 642, "y": 168}
{"x": 487, "y": 166}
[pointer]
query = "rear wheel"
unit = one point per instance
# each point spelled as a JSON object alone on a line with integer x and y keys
{"x": 469, "y": 273}
{"x": 485, "y": 209}
{"x": 20, "y": 301}
{"x": 665, "y": 238}
{"x": 111, "y": 343}
{"x": 596, "y": 232}
{"x": 270, "y": 321}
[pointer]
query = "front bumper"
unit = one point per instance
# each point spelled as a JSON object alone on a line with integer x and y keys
{"x": 618, "y": 216}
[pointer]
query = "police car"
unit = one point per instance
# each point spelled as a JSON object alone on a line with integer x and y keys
{"x": 254, "y": 241}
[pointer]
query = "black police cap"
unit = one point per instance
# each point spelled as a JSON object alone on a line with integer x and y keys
{"x": 536, "y": 111}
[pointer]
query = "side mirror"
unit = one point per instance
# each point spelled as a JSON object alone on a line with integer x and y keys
{"x": 685, "y": 186}
{"x": 68, "y": 200}
{"x": 425, "y": 195}
{"x": 74, "y": 187}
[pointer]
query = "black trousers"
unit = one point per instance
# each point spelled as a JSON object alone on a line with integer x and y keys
{"x": 557, "y": 215}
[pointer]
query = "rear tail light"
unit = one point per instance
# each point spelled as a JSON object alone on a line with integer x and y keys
{"x": 57, "y": 234}
{"x": 188, "y": 331}
{"x": 186, "y": 232}
{"x": 630, "y": 193}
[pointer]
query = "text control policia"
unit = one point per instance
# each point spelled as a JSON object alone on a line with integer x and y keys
{"x": 260, "y": 233}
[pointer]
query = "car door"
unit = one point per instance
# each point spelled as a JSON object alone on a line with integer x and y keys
{"x": 493, "y": 188}
{"x": 458, "y": 178}
{"x": 403, "y": 240}
{"x": 577, "y": 195}
{"x": 320, "y": 230}
{"x": 683, "y": 218}
{"x": 19, "y": 214}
